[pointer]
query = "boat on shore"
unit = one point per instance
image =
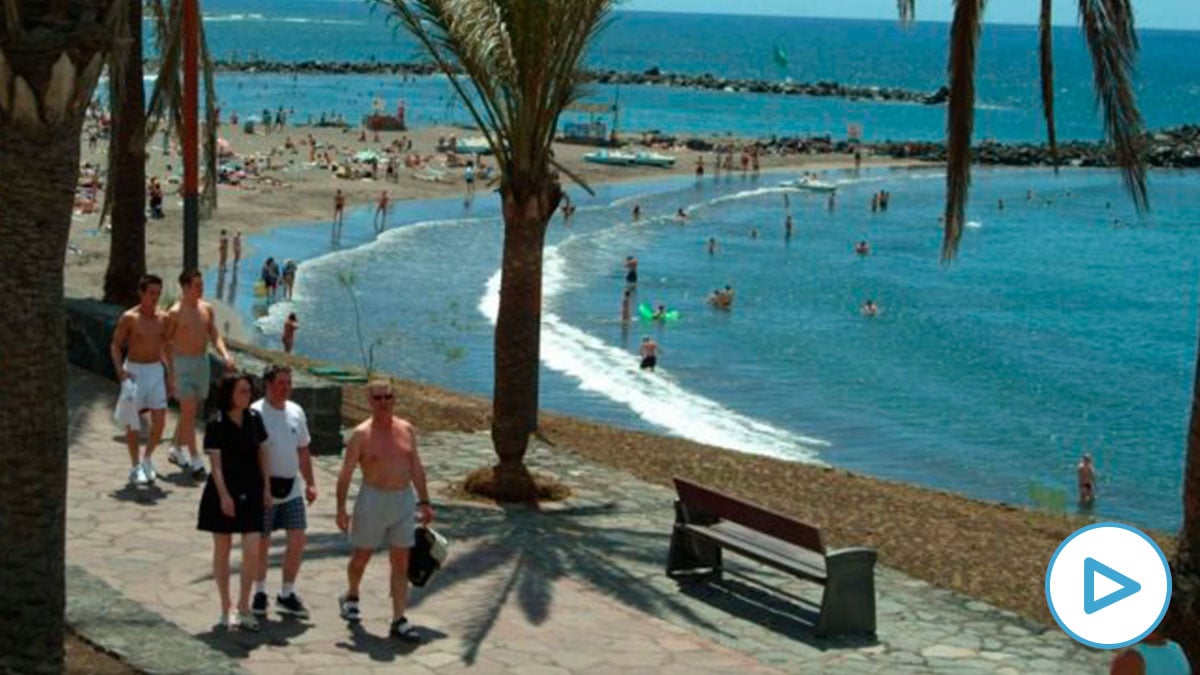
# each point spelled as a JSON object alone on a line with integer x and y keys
{"x": 473, "y": 146}
{"x": 811, "y": 183}
{"x": 611, "y": 158}
{"x": 654, "y": 159}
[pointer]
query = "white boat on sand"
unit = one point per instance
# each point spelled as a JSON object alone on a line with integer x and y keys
{"x": 610, "y": 157}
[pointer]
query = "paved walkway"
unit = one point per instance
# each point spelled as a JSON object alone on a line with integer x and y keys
{"x": 578, "y": 588}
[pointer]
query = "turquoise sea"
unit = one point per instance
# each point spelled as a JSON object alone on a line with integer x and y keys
{"x": 1067, "y": 325}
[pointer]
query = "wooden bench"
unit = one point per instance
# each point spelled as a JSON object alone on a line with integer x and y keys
{"x": 707, "y": 521}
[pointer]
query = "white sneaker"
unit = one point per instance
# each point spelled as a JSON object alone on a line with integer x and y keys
{"x": 197, "y": 467}
{"x": 148, "y": 469}
{"x": 137, "y": 476}
{"x": 178, "y": 457}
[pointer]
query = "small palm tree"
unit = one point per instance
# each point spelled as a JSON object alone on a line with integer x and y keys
{"x": 522, "y": 60}
{"x": 51, "y": 54}
{"x": 1108, "y": 26}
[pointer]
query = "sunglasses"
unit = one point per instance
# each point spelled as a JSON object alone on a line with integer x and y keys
{"x": 382, "y": 397}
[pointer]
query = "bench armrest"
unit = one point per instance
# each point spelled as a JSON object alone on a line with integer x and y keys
{"x": 852, "y": 556}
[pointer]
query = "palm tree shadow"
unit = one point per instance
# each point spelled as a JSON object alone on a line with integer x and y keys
{"x": 382, "y": 648}
{"x": 535, "y": 549}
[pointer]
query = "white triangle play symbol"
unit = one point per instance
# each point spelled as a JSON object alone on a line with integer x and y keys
{"x": 1104, "y": 586}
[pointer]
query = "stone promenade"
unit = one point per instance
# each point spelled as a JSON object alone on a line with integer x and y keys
{"x": 577, "y": 588}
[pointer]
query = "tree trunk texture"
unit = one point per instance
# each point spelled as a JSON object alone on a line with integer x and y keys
{"x": 39, "y": 167}
{"x": 127, "y": 247}
{"x": 1183, "y": 619}
{"x": 518, "y": 339}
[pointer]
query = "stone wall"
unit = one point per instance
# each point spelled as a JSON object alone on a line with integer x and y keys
{"x": 90, "y": 325}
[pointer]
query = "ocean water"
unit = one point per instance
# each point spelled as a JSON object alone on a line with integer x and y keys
{"x": 859, "y": 52}
{"x": 1066, "y": 326}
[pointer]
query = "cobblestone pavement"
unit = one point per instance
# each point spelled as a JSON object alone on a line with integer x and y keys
{"x": 577, "y": 588}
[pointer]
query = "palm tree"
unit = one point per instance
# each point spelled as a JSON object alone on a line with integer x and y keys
{"x": 51, "y": 54}
{"x": 1108, "y": 27}
{"x": 125, "y": 193}
{"x": 522, "y": 58}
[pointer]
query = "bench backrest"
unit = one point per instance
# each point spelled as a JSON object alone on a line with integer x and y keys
{"x": 702, "y": 501}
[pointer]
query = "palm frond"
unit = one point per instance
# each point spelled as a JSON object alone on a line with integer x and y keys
{"x": 521, "y": 60}
{"x": 1108, "y": 27}
{"x": 907, "y": 10}
{"x": 1046, "y": 54}
{"x": 960, "y": 118}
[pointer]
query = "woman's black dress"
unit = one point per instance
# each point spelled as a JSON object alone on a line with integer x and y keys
{"x": 238, "y": 446}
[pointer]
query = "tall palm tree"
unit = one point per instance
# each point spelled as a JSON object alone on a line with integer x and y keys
{"x": 125, "y": 193}
{"x": 1108, "y": 27}
{"x": 522, "y": 59}
{"x": 51, "y": 54}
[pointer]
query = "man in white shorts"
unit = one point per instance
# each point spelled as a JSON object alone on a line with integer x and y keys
{"x": 288, "y": 459}
{"x": 137, "y": 352}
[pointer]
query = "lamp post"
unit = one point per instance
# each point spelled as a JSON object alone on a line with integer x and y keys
{"x": 190, "y": 136}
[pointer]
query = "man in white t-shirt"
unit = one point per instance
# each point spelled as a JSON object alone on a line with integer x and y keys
{"x": 289, "y": 460}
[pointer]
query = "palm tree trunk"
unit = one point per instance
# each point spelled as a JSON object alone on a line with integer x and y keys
{"x": 518, "y": 341}
{"x": 127, "y": 247}
{"x": 39, "y": 166}
{"x": 1183, "y": 619}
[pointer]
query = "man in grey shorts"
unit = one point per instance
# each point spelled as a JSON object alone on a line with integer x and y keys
{"x": 385, "y": 447}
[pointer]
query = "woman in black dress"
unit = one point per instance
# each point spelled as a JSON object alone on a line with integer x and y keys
{"x": 236, "y": 493}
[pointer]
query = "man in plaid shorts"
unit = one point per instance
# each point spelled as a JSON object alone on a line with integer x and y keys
{"x": 288, "y": 460}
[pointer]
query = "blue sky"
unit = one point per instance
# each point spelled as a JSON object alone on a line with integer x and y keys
{"x": 1177, "y": 14}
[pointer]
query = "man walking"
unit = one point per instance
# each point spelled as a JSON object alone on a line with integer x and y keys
{"x": 288, "y": 459}
{"x": 385, "y": 447}
{"x": 191, "y": 325}
{"x": 138, "y": 352}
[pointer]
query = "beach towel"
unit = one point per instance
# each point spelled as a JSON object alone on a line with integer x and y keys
{"x": 125, "y": 414}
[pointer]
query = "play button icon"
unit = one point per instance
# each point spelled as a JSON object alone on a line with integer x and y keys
{"x": 1092, "y": 568}
{"x": 1108, "y": 585}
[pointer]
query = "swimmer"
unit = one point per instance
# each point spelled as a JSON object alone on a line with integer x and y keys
{"x": 631, "y": 265}
{"x": 862, "y": 248}
{"x": 637, "y": 212}
{"x": 660, "y": 313}
{"x": 681, "y": 214}
{"x": 627, "y": 305}
{"x": 754, "y": 233}
{"x": 649, "y": 354}
{"x": 1000, "y": 204}
{"x": 712, "y": 245}
{"x": 870, "y": 309}
{"x": 1085, "y": 475}
{"x": 787, "y": 226}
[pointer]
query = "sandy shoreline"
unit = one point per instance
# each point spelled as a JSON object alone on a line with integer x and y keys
{"x": 994, "y": 552}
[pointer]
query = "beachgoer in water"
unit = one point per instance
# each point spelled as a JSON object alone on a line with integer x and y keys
{"x": 649, "y": 354}
{"x": 660, "y": 313}
{"x": 1085, "y": 477}
{"x": 270, "y": 277}
{"x": 631, "y": 272}
{"x": 381, "y": 209}
{"x": 289, "y": 332}
{"x": 223, "y": 248}
{"x": 627, "y": 305}
{"x": 681, "y": 214}
{"x": 138, "y": 350}
{"x": 339, "y": 215}
{"x": 787, "y": 226}
{"x": 869, "y": 308}
{"x": 237, "y": 247}
{"x": 637, "y": 212}
{"x": 875, "y": 202}
{"x": 712, "y": 245}
{"x": 1000, "y": 204}
{"x": 862, "y": 248}
{"x": 831, "y": 204}
{"x": 699, "y": 167}
{"x": 754, "y": 233}
{"x": 289, "y": 277}
{"x": 469, "y": 179}
{"x": 722, "y": 298}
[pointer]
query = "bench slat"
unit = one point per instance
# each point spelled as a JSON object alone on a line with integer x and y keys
{"x": 768, "y": 551}
{"x": 701, "y": 500}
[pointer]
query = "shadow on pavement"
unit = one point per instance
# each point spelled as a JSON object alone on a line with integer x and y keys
{"x": 238, "y": 644}
{"x": 383, "y": 648}
{"x": 146, "y": 495}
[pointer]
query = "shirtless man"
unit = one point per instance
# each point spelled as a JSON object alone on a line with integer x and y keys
{"x": 191, "y": 325}
{"x": 339, "y": 215}
{"x": 385, "y": 447}
{"x": 138, "y": 351}
{"x": 649, "y": 354}
{"x": 631, "y": 264}
{"x": 1085, "y": 474}
{"x": 223, "y": 248}
{"x": 381, "y": 210}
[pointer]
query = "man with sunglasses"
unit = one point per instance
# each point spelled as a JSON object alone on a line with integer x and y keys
{"x": 385, "y": 448}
